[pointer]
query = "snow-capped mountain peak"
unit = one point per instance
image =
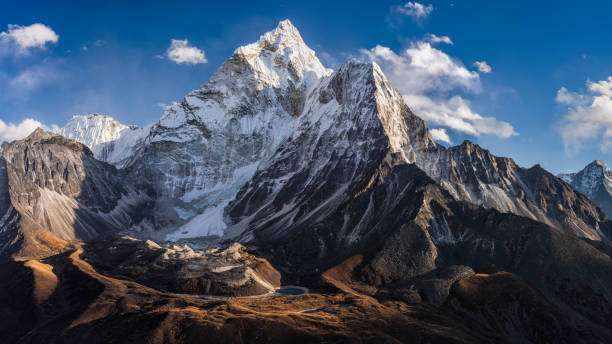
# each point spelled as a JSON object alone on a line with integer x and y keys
{"x": 595, "y": 182}
{"x": 92, "y": 129}
{"x": 591, "y": 177}
{"x": 280, "y": 56}
{"x": 109, "y": 140}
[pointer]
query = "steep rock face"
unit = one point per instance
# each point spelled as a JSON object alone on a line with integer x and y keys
{"x": 55, "y": 185}
{"x": 342, "y": 140}
{"x": 473, "y": 174}
{"x": 204, "y": 148}
{"x": 595, "y": 182}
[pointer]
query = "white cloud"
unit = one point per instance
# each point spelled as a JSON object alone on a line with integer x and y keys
{"x": 483, "y": 67}
{"x": 28, "y": 37}
{"x": 181, "y": 52}
{"x": 603, "y": 87}
{"x": 455, "y": 113}
{"x": 11, "y": 131}
{"x": 415, "y": 10}
{"x": 569, "y": 98}
{"x": 589, "y": 117}
{"x": 432, "y": 84}
{"x": 423, "y": 68}
{"x": 438, "y": 39}
{"x": 440, "y": 135}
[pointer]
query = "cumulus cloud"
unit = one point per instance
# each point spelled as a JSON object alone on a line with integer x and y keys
{"x": 415, "y": 10}
{"x": 589, "y": 116}
{"x": 433, "y": 85}
{"x": 181, "y": 52}
{"x": 569, "y": 98}
{"x": 25, "y": 38}
{"x": 603, "y": 87}
{"x": 423, "y": 68}
{"x": 483, "y": 66}
{"x": 438, "y": 39}
{"x": 440, "y": 134}
{"x": 11, "y": 131}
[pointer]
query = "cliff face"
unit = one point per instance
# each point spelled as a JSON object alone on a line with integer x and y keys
{"x": 55, "y": 185}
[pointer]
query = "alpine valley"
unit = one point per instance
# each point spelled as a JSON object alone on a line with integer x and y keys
{"x": 285, "y": 201}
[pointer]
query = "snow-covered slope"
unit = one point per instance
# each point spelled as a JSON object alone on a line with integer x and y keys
{"x": 92, "y": 130}
{"x": 109, "y": 140}
{"x": 595, "y": 182}
{"x": 203, "y": 149}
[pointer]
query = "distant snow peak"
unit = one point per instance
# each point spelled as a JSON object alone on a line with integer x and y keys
{"x": 595, "y": 182}
{"x": 92, "y": 129}
{"x": 109, "y": 140}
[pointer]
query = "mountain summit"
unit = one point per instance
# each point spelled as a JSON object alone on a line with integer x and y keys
{"x": 595, "y": 182}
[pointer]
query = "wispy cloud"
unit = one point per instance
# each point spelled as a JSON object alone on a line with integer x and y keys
{"x": 483, "y": 66}
{"x": 440, "y": 134}
{"x": 415, "y": 10}
{"x": 433, "y": 39}
{"x": 433, "y": 85}
{"x": 182, "y": 53}
{"x": 589, "y": 116}
{"x": 22, "y": 39}
{"x": 34, "y": 77}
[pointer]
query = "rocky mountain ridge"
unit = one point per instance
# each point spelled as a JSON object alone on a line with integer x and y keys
{"x": 595, "y": 182}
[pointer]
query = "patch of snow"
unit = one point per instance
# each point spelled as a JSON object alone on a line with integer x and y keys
{"x": 221, "y": 269}
{"x": 208, "y": 223}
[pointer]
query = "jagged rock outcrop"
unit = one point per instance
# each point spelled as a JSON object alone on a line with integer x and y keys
{"x": 54, "y": 187}
{"x": 230, "y": 271}
{"x": 473, "y": 174}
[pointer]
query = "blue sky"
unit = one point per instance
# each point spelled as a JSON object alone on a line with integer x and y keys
{"x": 547, "y": 98}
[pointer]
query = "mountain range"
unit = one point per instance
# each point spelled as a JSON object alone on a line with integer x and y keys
{"x": 278, "y": 171}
